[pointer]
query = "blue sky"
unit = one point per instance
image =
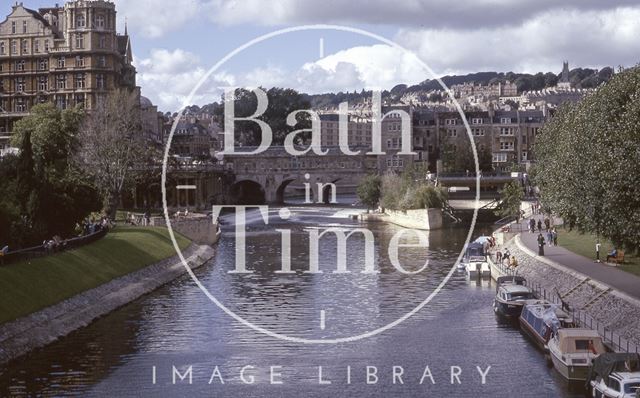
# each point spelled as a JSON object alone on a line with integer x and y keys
{"x": 176, "y": 41}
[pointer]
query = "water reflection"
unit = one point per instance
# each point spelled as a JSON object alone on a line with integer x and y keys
{"x": 178, "y": 326}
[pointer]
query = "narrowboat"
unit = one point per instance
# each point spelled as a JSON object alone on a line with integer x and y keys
{"x": 540, "y": 319}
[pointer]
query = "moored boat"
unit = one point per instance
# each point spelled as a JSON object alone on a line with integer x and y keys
{"x": 475, "y": 261}
{"x": 615, "y": 375}
{"x": 573, "y": 351}
{"x": 540, "y": 319}
{"x": 511, "y": 295}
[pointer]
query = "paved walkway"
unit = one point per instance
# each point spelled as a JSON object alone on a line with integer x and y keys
{"x": 607, "y": 274}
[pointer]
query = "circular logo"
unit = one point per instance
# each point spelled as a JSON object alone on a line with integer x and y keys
{"x": 211, "y": 296}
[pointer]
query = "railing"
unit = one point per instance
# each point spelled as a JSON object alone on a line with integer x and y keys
{"x": 41, "y": 251}
{"x": 581, "y": 318}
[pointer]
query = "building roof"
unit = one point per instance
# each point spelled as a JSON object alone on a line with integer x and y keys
{"x": 145, "y": 102}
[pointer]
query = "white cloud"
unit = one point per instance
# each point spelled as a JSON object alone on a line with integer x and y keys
{"x": 157, "y": 18}
{"x": 585, "y": 38}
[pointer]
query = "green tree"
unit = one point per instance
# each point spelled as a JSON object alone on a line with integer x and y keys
{"x": 52, "y": 194}
{"x": 588, "y": 157}
{"x": 510, "y": 200}
{"x": 282, "y": 102}
{"x": 369, "y": 191}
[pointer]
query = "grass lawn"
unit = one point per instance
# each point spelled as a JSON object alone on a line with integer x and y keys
{"x": 27, "y": 287}
{"x": 585, "y": 245}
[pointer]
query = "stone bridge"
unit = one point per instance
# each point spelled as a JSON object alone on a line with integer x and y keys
{"x": 268, "y": 176}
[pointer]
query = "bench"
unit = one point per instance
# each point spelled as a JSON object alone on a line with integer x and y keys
{"x": 618, "y": 259}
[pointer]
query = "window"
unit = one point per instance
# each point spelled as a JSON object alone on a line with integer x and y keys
{"x": 20, "y": 85}
{"x": 79, "y": 61}
{"x": 43, "y": 64}
{"x": 2, "y": 48}
{"x": 24, "y": 26}
{"x": 524, "y": 155}
{"x": 613, "y": 383}
{"x": 100, "y": 21}
{"x": 505, "y": 120}
{"x": 100, "y": 82}
{"x": 21, "y": 105}
{"x": 14, "y": 47}
{"x": 476, "y": 120}
{"x": 61, "y": 62}
{"x": 506, "y": 145}
{"x": 430, "y": 148}
{"x": 20, "y": 65}
{"x": 80, "y": 80}
{"x": 80, "y": 21}
{"x": 477, "y": 132}
{"x": 61, "y": 82}
{"x": 452, "y": 133}
{"x": 46, "y": 45}
{"x": 61, "y": 102}
{"x": 450, "y": 122}
{"x": 13, "y": 27}
{"x": 37, "y": 46}
{"x": 24, "y": 46}
{"x": 499, "y": 157}
{"x": 102, "y": 61}
{"x": 102, "y": 42}
{"x": 506, "y": 131}
{"x": 43, "y": 83}
{"x": 79, "y": 41}
{"x": 79, "y": 99}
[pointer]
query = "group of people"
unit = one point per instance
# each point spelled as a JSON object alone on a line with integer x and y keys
{"x": 54, "y": 244}
{"x": 506, "y": 258}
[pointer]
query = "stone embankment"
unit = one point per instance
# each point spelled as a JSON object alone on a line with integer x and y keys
{"x": 615, "y": 315}
{"x": 423, "y": 219}
{"x": 47, "y": 325}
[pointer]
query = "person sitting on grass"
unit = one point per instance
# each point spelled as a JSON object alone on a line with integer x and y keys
{"x": 613, "y": 254}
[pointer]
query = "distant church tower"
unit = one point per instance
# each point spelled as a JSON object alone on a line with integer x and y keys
{"x": 564, "y": 82}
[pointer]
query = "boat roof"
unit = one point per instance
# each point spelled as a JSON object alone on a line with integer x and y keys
{"x": 577, "y": 333}
{"x": 515, "y": 279}
{"x": 510, "y": 288}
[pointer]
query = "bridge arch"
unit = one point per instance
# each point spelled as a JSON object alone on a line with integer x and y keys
{"x": 248, "y": 192}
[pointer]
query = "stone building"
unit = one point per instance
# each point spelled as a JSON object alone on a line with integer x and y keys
{"x": 68, "y": 55}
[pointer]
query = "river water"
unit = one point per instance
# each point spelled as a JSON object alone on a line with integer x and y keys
{"x": 132, "y": 352}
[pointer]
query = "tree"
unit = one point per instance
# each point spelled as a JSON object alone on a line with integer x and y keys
{"x": 282, "y": 102}
{"x": 52, "y": 195}
{"x": 510, "y": 200}
{"x": 369, "y": 191}
{"x": 588, "y": 158}
{"x": 111, "y": 145}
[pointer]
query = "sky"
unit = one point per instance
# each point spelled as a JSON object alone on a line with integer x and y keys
{"x": 176, "y": 42}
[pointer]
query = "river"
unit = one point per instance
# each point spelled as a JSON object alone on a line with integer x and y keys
{"x": 132, "y": 351}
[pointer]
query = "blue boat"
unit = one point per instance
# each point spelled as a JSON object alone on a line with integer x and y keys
{"x": 540, "y": 320}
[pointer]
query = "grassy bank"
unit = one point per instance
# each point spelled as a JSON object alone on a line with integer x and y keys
{"x": 30, "y": 286}
{"x": 585, "y": 245}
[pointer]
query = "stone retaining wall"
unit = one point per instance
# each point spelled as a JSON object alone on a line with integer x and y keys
{"x": 47, "y": 325}
{"x": 608, "y": 308}
{"x": 425, "y": 219}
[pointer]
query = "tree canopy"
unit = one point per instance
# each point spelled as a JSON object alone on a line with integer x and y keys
{"x": 588, "y": 158}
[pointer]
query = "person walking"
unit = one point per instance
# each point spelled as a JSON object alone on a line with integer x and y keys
{"x": 547, "y": 224}
{"x": 532, "y": 225}
{"x": 498, "y": 256}
{"x": 541, "y": 243}
{"x": 554, "y": 235}
{"x": 550, "y": 237}
{"x": 597, "y": 252}
{"x": 540, "y": 226}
